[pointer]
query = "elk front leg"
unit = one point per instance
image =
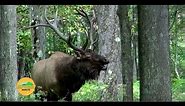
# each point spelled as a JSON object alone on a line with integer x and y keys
{"x": 52, "y": 96}
{"x": 68, "y": 97}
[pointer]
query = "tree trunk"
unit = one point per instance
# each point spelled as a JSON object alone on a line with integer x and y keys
{"x": 21, "y": 63}
{"x": 38, "y": 34}
{"x": 175, "y": 43}
{"x": 126, "y": 52}
{"x": 8, "y": 55}
{"x": 134, "y": 42}
{"x": 110, "y": 46}
{"x": 176, "y": 53}
{"x": 154, "y": 53}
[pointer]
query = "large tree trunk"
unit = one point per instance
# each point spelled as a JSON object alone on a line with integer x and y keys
{"x": 126, "y": 52}
{"x": 8, "y": 55}
{"x": 154, "y": 53}
{"x": 110, "y": 46}
{"x": 38, "y": 34}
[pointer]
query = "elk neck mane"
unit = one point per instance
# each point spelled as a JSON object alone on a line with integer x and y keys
{"x": 83, "y": 68}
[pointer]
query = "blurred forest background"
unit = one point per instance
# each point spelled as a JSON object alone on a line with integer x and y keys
{"x": 145, "y": 44}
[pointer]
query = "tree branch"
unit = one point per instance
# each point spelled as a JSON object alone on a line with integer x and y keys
{"x": 38, "y": 25}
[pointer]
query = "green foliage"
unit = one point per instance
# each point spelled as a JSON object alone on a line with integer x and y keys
{"x": 27, "y": 98}
{"x": 24, "y": 42}
{"x": 90, "y": 91}
{"x": 136, "y": 90}
{"x": 178, "y": 90}
{"x": 23, "y": 36}
{"x": 33, "y": 97}
{"x": 177, "y": 44}
{"x": 72, "y": 23}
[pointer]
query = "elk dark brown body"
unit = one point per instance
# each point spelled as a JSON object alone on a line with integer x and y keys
{"x": 62, "y": 74}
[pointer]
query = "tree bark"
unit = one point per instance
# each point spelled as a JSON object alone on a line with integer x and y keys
{"x": 8, "y": 55}
{"x": 134, "y": 42}
{"x": 154, "y": 53}
{"x": 21, "y": 63}
{"x": 38, "y": 34}
{"x": 127, "y": 59}
{"x": 110, "y": 46}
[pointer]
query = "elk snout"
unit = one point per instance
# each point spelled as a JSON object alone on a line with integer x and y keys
{"x": 105, "y": 63}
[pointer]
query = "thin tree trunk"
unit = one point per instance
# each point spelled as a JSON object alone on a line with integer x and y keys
{"x": 134, "y": 42}
{"x": 176, "y": 39}
{"x": 176, "y": 59}
{"x": 38, "y": 34}
{"x": 21, "y": 63}
{"x": 126, "y": 51}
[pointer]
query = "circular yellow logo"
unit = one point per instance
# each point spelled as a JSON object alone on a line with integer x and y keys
{"x": 25, "y": 86}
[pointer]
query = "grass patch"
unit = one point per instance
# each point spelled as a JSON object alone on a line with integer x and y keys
{"x": 90, "y": 91}
{"x": 136, "y": 92}
{"x": 178, "y": 89}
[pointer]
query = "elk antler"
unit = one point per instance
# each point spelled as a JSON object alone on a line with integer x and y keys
{"x": 90, "y": 30}
{"x": 57, "y": 31}
{"x": 53, "y": 25}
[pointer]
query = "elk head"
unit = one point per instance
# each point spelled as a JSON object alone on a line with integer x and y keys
{"x": 96, "y": 62}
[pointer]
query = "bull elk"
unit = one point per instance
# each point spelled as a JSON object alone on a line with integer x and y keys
{"x": 62, "y": 74}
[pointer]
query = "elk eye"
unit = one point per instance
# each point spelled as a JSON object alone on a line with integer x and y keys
{"x": 105, "y": 61}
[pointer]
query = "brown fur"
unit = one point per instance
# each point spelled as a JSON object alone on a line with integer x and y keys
{"x": 62, "y": 74}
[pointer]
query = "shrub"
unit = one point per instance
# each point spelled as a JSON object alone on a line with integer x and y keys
{"x": 178, "y": 89}
{"x": 90, "y": 91}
